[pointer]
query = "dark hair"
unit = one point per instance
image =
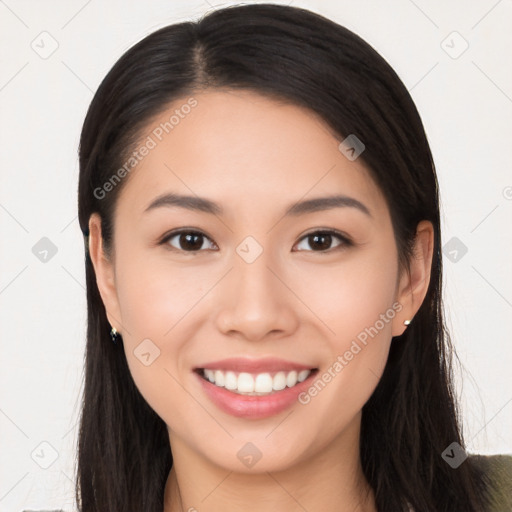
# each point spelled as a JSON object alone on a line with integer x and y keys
{"x": 299, "y": 57}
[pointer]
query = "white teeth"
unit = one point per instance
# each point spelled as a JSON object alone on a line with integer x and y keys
{"x": 279, "y": 381}
{"x": 245, "y": 383}
{"x": 231, "y": 381}
{"x": 303, "y": 375}
{"x": 259, "y": 384}
{"x": 291, "y": 379}
{"x": 263, "y": 383}
{"x": 219, "y": 378}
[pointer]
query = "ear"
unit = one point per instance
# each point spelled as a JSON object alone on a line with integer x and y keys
{"x": 414, "y": 282}
{"x": 104, "y": 270}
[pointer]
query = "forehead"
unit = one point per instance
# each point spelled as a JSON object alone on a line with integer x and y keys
{"x": 241, "y": 148}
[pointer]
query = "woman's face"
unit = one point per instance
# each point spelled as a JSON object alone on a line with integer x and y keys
{"x": 254, "y": 293}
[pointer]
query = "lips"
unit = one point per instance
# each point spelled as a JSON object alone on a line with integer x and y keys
{"x": 254, "y": 388}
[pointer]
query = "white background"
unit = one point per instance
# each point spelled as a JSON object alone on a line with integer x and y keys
{"x": 466, "y": 106}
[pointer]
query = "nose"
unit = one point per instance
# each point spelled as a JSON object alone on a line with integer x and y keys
{"x": 256, "y": 301}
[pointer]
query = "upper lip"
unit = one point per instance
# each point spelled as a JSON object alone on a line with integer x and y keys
{"x": 243, "y": 364}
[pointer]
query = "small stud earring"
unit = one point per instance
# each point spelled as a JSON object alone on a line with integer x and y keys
{"x": 407, "y": 322}
{"x": 114, "y": 335}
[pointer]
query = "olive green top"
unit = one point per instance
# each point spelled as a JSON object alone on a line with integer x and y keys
{"x": 498, "y": 469}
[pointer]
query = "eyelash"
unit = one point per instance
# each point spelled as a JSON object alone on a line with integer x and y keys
{"x": 344, "y": 239}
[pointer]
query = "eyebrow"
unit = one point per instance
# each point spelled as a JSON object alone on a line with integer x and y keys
{"x": 195, "y": 203}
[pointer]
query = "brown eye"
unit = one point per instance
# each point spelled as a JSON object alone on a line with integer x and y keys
{"x": 321, "y": 241}
{"x": 188, "y": 241}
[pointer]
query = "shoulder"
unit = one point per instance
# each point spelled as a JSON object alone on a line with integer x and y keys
{"x": 497, "y": 470}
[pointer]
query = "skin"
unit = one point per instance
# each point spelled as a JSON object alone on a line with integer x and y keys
{"x": 255, "y": 157}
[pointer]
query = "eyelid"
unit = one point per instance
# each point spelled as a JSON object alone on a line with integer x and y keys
{"x": 330, "y": 231}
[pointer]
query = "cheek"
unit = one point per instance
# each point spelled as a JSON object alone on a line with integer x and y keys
{"x": 157, "y": 303}
{"x": 357, "y": 304}
{"x": 350, "y": 296}
{"x": 154, "y": 295}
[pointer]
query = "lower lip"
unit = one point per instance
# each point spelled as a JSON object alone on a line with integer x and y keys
{"x": 253, "y": 407}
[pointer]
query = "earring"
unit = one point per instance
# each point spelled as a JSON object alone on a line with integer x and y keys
{"x": 114, "y": 335}
{"x": 407, "y": 322}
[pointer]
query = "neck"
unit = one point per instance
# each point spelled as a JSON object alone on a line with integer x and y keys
{"x": 331, "y": 481}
